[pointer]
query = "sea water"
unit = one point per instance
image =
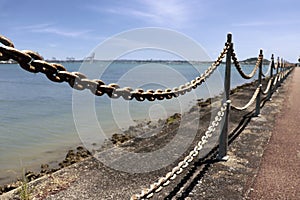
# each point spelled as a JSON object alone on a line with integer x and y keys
{"x": 36, "y": 117}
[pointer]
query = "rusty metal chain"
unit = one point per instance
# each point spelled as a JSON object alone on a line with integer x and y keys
{"x": 285, "y": 73}
{"x": 239, "y": 68}
{"x": 33, "y": 62}
{"x": 251, "y": 101}
{"x": 275, "y": 80}
{"x": 165, "y": 180}
{"x": 280, "y": 76}
{"x": 268, "y": 71}
{"x": 272, "y": 81}
{"x": 268, "y": 86}
{"x": 7, "y": 42}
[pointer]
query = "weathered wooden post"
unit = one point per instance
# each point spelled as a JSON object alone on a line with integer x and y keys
{"x": 257, "y": 110}
{"x": 223, "y": 140}
{"x": 271, "y": 77}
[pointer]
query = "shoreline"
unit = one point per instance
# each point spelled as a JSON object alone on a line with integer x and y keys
{"x": 248, "y": 61}
{"x": 80, "y": 153}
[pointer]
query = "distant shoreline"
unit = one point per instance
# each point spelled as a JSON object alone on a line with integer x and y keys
{"x": 245, "y": 62}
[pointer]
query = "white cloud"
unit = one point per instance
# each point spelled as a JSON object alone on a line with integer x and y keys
{"x": 267, "y": 23}
{"x": 248, "y": 24}
{"x": 167, "y": 12}
{"x": 170, "y": 13}
{"x": 61, "y": 32}
{"x": 49, "y": 28}
{"x": 34, "y": 26}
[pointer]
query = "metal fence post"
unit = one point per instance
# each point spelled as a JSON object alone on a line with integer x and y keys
{"x": 271, "y": 77}
{"x": 277, "y": 74}
{"x": 282, "y": 70}
{"x": 223, "y": 140}
{"x": 257, "y": 110}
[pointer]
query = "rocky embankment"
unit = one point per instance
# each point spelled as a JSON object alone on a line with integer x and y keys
{"x": 73, "y": 156}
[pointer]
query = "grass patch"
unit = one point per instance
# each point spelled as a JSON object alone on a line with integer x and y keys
{"x": 25, "y": 191}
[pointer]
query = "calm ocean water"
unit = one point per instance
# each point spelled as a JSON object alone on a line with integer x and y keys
{"x": 37, "y": 124}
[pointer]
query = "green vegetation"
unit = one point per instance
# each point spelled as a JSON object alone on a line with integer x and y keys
{"x": 253, "y": 61}
{"x": 173, "y": 118}
{"x": 25, "y": 191}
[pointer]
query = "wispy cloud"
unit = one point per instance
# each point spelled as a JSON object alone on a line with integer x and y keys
{"x": 250, "y": 24}
{"x": 34, "y": 26}
{"x": 174, "y": 13}
{"x": 267, "y": 23}
{"x": 50, "y": 28}
{"x": 166, "y": 12}
{"x": 62, "y": 32}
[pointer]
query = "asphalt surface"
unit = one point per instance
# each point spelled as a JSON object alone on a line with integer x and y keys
{"x": 279, "y": 173}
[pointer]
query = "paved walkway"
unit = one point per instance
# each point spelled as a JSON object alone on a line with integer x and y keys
{"x": 279, "y": 174}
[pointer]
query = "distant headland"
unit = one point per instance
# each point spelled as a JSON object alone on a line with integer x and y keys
{"x": 253, "y": 61}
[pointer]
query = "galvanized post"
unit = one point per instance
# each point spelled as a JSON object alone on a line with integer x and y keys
{"x": 271, "y": 77}
{"x": 257, "y": 110}
{"x": 223, "y": 140}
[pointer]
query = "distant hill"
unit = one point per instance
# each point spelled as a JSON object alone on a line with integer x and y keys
{"x": 253, "y": 61}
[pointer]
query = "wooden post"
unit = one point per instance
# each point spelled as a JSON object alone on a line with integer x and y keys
{"x": 223, "y": 140}
{"x": 257, "y": 111}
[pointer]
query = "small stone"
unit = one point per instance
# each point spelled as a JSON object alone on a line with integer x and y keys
{"x": 80, "y": 148}
{"x": 44, "y": 168}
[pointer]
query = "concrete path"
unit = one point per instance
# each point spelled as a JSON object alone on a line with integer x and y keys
{"x": 279, "y": 173}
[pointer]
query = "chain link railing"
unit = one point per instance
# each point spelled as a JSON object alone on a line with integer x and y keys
{"x": 239, "y": 68}
{"x": 164, "y": 181}
{"x": 268, "y": 88}
{"x": 268, "y": 71}
{"x": 34, "y": 63}
{"x": 251, "y": 101}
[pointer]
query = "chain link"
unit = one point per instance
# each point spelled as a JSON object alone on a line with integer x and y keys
{"x": 268, "y": 86}
{"x": 268, "y": 71}
{"x": 250, "y": 102}
{"x": 276, "y": 80}
{"x": 7, "y": 42}
{"x": 171, "y": 175}
{"x": 239, "y": 68}
{"x": 33, "y": 62}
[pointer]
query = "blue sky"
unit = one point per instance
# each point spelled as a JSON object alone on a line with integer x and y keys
{"x": 73, "y": 28}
